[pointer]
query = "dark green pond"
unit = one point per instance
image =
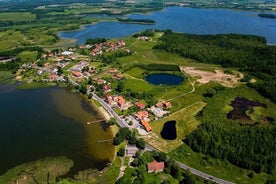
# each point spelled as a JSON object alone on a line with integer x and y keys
{"x": 164, "y": 79}
{"x": 169, "y": 130}
{"x": 50, "y": 122}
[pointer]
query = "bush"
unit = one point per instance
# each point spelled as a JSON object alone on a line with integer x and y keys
{"x": 121, "y": 152}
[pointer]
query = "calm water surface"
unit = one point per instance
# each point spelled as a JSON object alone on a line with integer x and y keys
{"x": 50, "y": 122}
{"x": 164, "y": 79}
{"x": 186, "y": 20}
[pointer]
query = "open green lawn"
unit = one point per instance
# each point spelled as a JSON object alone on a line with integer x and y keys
{"x": 215, "y": 167}
{"x": 28, "y": 56}
{"x": 17, "y": 16}
{"x": 186, "y": 123}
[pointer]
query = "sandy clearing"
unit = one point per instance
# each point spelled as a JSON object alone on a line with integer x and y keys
{"x": 219, "y": 76}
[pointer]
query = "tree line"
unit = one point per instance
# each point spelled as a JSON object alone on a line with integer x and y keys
{"x": 251, "y": 148}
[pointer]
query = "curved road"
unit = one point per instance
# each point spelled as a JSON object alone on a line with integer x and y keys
{"x": 122, "y": 123}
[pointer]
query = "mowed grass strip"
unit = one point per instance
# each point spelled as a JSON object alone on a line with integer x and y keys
{"x": 17, "y": 16}
{"x": 186, "y": 123}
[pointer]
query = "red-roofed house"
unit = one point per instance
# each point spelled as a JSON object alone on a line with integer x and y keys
{"x": 106, "y": 88}
{"x": 140, "y": 105}
{"x": 110, "y": 99}
{"x": 142, "y": 115}
{"x": 121, "y": 102}
{"x": 112, "y": 71}
{"x": 52, "y": 77}
{"x": 168, "y": 104}
{"x": 146, "y": 125}
{"x": 155, "y": 166}
{"x": 159, "y": 105}
{"x": 76, "y": 74}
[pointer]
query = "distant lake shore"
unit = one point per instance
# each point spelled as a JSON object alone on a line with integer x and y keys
{"x": 181, "y": 19}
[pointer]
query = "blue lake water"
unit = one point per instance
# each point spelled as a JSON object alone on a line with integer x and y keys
{"x": 186, "y": 20}
{"x": 164, "y": 79}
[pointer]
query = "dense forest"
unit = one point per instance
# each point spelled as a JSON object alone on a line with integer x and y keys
{"x": 248, "y": 53}
{"x": 248, "y": 147}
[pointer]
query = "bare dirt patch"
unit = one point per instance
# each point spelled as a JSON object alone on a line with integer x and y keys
{"x": 227, "y": 80}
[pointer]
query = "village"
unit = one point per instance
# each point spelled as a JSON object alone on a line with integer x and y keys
{"x": 72, "y": 67}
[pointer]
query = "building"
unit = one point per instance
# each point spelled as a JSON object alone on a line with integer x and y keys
{"x": 155, "y": 166}
{"x": 131, "y": 150}
{"x": 142, "y": 115}
{"x": 140, "y": 105}
{"x": 121, "y": 102}
{"x": 146, "y": 125}
{"x": 168, "y": 104}
{"x": 76, "y": 73}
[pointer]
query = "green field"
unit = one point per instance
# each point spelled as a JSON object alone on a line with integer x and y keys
{"x": 186, "y": 123}
{"x": 17, "y": 16}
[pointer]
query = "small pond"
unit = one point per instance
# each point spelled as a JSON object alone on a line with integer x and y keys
{"x": 169, "y": 130}
{"x": 164, "y": 79}
{"x": 241, "y": 106}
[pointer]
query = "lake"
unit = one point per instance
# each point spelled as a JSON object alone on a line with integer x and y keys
{"x": 185, "y": 20}
{"x": 164, "y": 79}
{"x": 47, "y": 122}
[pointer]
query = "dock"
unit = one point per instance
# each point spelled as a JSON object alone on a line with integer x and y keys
{"x": 92, "y": 122}
{"x": 106, "y": 140}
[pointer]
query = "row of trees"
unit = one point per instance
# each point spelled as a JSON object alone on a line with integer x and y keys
{"x": 249, "y": 53}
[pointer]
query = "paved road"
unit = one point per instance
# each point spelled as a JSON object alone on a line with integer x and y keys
{"x": 122, "y": 123}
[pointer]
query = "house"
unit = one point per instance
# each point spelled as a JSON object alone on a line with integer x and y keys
{"x": 106, "y": 88}
{"x": 131, "y": 150}
{"x": 52, "y": 77}
{"x": 76, "y": 73}
{"x": 112, "y": 71}
{"x": 168, "y": 104}
{"x": 121, "y": 101}
{"x": 101, "y": 81}
{"x": 140, "y": 105}
{"x": 159, "y": 105}
{"x": 155, "y": 166}
{"x": 110, "y": 99}
{"x": 146, "y": 125}
{"x": 142, "y": 115}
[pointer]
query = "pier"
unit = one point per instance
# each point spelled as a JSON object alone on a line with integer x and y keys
{"x": 92, "y": 122}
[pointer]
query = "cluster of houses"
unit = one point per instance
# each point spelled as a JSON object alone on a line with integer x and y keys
{"x": 100, "y": 48}
{"x": 142, "y": 116}
{"x": 82, "y": 71}
{"x": 118, "y": 101}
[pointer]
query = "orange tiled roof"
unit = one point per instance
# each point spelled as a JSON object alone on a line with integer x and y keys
{"x": 76, "y": 74}
{"x": 142, "y": 114}
{"x": 140, "y": 105}
{"x": 146, "y": 125}
{"x": 168, "y": 104}
{"x": 121, "y": 100}
{"x": 155, "y": 166}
